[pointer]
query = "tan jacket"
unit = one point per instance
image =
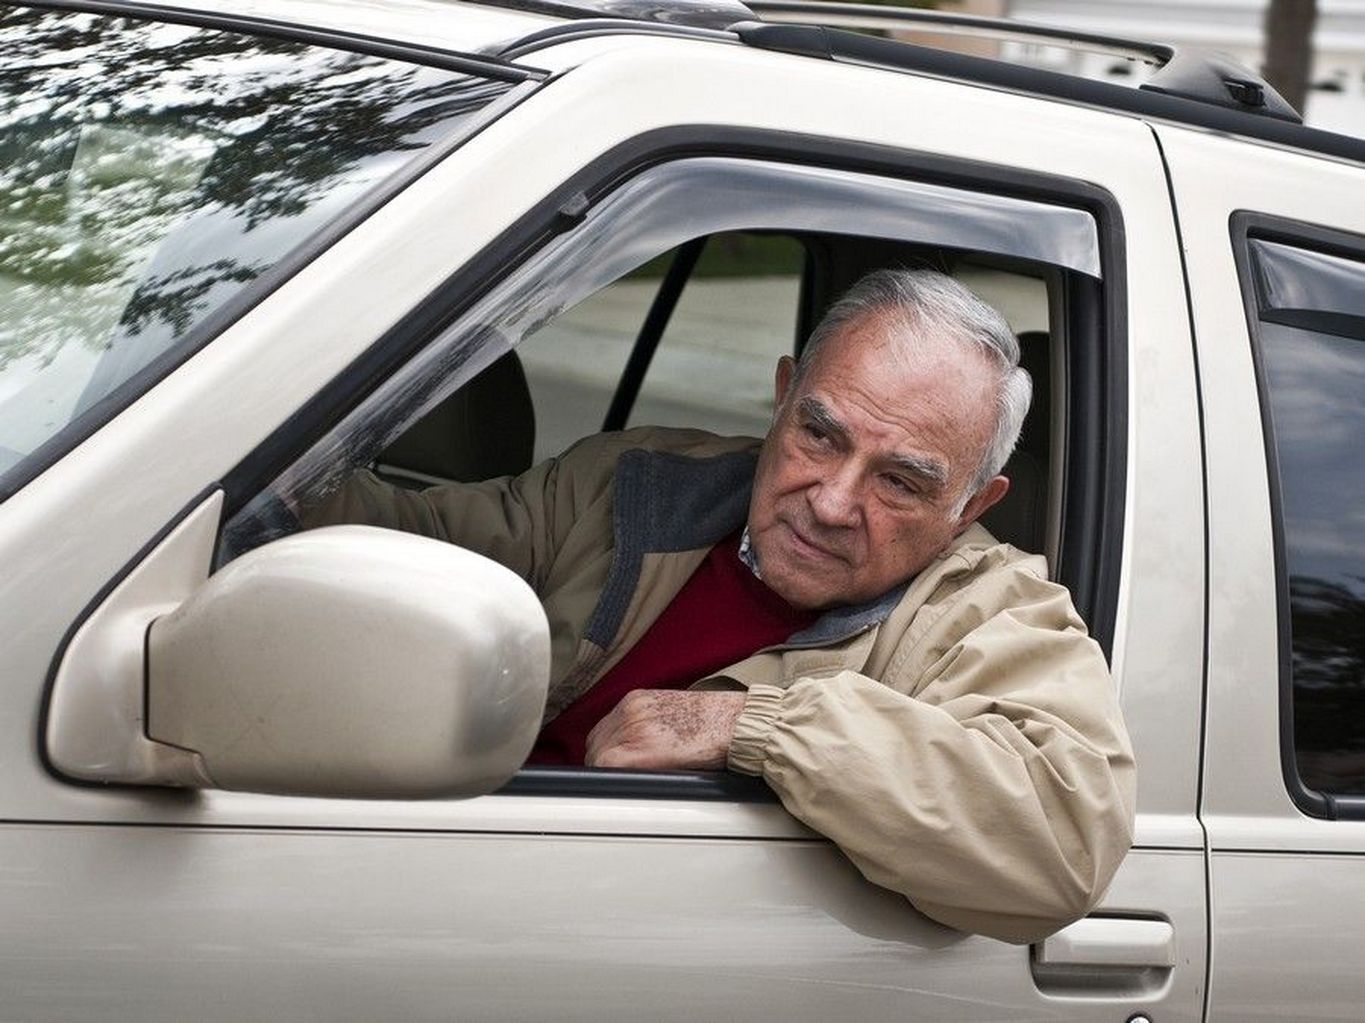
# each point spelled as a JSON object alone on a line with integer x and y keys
{"x": 959, "y": 738}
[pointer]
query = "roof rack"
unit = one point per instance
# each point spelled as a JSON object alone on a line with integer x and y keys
{"x": 1201, "y": 90}
{"x": 818, "y": 28}
{"x": 716, "y": 14}
{"x": 877, "y": 16}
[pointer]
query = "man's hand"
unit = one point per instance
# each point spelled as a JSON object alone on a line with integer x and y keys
{"x": 662, "y": 729}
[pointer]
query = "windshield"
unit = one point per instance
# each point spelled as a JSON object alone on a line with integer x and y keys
{"x": 149, "y": 173}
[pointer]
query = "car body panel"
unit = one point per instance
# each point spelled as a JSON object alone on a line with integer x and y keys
{"x": 166, "y": 923}
{"x": 149, "y": 903}
{"x": 1285, "y": 886}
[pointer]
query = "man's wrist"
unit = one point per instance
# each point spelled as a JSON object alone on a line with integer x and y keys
{"x": 753, "y": 728}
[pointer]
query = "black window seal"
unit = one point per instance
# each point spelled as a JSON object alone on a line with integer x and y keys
{"x": 1098, "y": 498}
{"x": 1244, "y": 227}
{"x": 1090, "y": 545}
{"x": 479, "y": 65}
{"x": 98, "y": 414}
{"x": 613, "y": 783}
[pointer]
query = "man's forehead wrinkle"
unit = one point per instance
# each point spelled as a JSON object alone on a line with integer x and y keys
{"x": 921, "y": 395}
{"x": 923, "y": 466}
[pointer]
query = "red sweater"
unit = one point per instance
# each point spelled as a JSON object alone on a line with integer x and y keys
{"x": 722, "y": 614}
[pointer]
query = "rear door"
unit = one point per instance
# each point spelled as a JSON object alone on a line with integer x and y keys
{"x": 1276, "y": 260}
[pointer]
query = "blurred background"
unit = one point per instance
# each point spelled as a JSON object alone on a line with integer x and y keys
{"x": 1311, "y": 51}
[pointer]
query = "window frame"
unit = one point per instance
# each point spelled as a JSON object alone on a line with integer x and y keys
{"x": 1246, "y": 226}
{"x": 1093, "y": 318}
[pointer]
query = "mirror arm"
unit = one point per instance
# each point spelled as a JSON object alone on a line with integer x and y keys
{"x": 96, "y": 723}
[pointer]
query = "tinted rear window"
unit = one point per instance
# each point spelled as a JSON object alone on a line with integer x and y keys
{"x": 1312, "y": 349}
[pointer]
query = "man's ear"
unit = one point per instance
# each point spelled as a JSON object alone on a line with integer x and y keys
{"x": 985, "y": 498}
{"x": 786, "y": 371}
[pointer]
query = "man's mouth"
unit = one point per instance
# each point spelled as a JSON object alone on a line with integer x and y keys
{"x": 807, "y": 547}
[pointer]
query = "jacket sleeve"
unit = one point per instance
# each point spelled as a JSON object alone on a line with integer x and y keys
{"x": 995, "y": 789}
{"x": 518, "y": 521}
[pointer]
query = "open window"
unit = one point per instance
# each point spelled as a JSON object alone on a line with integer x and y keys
{"x": 669, "y": 300}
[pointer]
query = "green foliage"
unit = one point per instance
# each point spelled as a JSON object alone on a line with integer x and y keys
{"x": 738, "y": 255}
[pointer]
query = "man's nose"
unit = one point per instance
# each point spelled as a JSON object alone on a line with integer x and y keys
{"x": 835, "y": 499}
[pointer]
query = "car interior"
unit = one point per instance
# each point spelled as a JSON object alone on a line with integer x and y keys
{"x": 738, "y": 301}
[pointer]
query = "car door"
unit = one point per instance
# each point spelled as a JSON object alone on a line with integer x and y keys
{"x": 1276, "y": 279}
{"x": 588, "y": 894}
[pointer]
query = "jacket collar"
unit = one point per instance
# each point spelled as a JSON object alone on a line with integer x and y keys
{"x": 839, "y": 623}
{"x": 666, "y": 503}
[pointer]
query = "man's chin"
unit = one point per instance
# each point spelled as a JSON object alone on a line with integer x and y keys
{"x": 799, "y": 590}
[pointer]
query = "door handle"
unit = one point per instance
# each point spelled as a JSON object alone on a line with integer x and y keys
{"x": 1110, "y": 941}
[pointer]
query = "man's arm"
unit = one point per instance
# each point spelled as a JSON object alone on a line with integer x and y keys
{"x": 518, "y": 521}
{"x": 998, "y": 798}
{"x": 996, "y": 791}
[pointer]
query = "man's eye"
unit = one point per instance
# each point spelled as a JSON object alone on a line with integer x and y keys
{"x": 901, "y": 485}
{"x": 816, "y": 432}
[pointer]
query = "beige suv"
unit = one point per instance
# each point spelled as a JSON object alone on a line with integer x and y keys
{"x": 252, "y": 775}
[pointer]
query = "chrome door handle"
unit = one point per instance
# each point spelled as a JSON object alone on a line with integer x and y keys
{"x": 1110, "y": 941}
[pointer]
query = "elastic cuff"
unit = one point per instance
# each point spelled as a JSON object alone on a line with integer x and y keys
{"x": 752, "y": 728}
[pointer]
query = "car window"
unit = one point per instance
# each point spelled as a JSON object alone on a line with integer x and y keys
{"x": 712, "y": 368}
{"x": 547, "y": 345}
{"x": 1311, "y": 346}
{"x": 150, "y": 173}
{"x": 484, "y": 429}
{"x": 738, "y": 313}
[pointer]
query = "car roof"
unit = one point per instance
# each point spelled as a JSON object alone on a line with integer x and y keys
{"x": 493, "y": 36}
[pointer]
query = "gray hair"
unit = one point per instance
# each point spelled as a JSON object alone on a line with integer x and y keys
{"x": 931, "y": 303}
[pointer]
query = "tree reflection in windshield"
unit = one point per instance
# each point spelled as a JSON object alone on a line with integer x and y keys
{"x": 148, "y": 172}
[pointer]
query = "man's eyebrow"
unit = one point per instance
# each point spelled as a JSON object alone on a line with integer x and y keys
{"x": 919, "y": 466}
{"x": 925, "y": 468}
{"x": 814, "y": 410}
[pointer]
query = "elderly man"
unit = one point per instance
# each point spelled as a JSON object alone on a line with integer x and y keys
{"x": 819, "y": 609}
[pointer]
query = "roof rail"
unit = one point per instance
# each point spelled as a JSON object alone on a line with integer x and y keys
{"x": 1209, "y": 78}
{"x": 855, "y": 15}
{"x": 717, "y": 14}
{"x": 1218, "y": 79}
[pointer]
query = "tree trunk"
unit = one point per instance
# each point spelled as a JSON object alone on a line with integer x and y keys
{"x": 1289, "y": 48}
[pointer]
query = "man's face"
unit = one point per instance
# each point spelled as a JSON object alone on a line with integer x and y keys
{"x": 858, "y": 480}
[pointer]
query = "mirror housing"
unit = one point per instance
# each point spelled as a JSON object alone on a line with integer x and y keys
{"x": 347, "y": 661}
{"x": 353, "y": 661}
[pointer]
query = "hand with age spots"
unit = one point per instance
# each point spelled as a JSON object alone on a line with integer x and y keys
{"x": 663, "y": 729}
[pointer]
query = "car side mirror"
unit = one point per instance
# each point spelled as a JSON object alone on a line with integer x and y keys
{"x": 344, "y": 661}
